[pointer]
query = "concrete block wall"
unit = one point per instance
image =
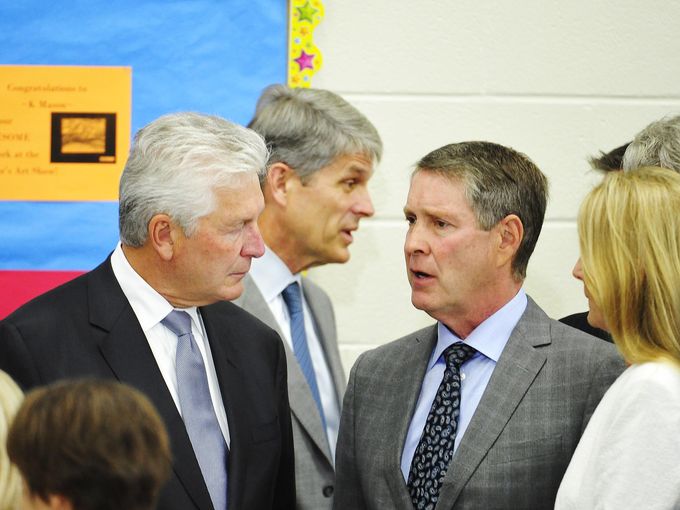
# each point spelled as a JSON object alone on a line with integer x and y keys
{"x": 558, "y": 81}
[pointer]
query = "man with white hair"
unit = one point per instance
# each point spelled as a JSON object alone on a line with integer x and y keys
{"x": 154, "y": 315}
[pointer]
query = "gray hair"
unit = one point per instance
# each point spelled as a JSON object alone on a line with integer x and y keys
{"x": 175, "y": 165}
{"x": 498, "y": 181}
{"x": 308, "y": 128}
{"x": 656, "y": 145}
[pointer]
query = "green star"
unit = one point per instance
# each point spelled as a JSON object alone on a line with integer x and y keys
{"x": 306, "y": 12}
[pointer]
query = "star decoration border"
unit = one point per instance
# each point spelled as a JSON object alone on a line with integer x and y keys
{"x": 304, "y": 58}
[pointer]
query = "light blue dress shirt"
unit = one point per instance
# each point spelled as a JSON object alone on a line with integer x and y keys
{"x": 489, "y": 338}
{"x": 271, "y": 276}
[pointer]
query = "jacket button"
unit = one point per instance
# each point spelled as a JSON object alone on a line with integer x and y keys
{"x": 328, "y": 491}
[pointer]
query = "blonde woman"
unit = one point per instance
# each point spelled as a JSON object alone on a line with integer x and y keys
{"x": 629, "y": 455}
{"x": 10, "y": 480}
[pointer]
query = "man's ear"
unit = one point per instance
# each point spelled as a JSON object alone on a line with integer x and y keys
{"x": 161, "y": 236}
{"x": 280, "y": 176}
{"x": 511, "y": 233}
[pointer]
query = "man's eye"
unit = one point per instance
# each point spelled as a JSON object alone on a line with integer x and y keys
{"x": 411, "y": 219}
{"x": 441, "y": 224}
{"x": 350, "y": 183}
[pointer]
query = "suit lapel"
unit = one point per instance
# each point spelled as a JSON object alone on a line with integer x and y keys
{"x": 231, "y": 383}
{"x": 413, "y": 360}
{"x": 325, "y": 330}
{"x": 302, "y": 404}
{"x": 123, "y": 345}
{"x": 517, "y": 368}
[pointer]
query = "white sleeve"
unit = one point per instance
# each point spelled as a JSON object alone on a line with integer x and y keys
{"x": 637, "y": 461}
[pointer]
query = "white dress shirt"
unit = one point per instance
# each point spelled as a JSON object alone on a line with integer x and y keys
{"x": 151, "y": 308}
{"x": 489, "y": 339}
{"x": 271, "y": 276}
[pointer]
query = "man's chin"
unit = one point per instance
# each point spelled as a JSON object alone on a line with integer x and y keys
{"x": 233, "y": 292}
{"x": 339, "y": 256}
{"x": 418, "y": 301}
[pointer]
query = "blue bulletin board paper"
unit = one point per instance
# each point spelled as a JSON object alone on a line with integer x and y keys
{"x": 197, "y": 55}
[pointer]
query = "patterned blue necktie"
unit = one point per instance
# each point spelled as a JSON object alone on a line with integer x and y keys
{"x": 435, "y": 449}
{"x": 197, "y": 409}
{"x": 293, "y": 299}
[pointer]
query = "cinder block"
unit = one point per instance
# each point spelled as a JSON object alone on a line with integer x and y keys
{"x": 624, "y": 49}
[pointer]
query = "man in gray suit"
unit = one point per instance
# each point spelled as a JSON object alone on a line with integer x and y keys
{"x": 322, "y": 155}
{"x": 485, "y": 408}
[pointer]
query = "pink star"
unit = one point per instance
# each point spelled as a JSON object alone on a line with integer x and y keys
{"x": 305, "y": 60}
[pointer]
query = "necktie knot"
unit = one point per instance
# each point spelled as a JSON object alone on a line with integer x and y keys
{"x": 457, "y": 354}
{"x": 292, "y": 297}
{"x": 178, "y": 322}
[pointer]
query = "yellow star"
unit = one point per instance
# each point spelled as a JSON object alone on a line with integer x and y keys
{"x": 307, "y": 12}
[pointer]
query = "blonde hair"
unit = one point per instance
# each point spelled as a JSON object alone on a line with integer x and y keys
{"x": 629, "y": 235}
{"x": 10, "y": 479}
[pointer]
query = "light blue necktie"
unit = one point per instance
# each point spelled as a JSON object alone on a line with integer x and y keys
{"x": 197, "y": 409}
{"x": 293, "y": 299}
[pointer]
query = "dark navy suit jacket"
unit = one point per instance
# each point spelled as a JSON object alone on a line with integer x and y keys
{"x": 88, "y": 328}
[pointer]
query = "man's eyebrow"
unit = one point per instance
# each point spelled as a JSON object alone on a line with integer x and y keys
{"x": 359, "y": 169}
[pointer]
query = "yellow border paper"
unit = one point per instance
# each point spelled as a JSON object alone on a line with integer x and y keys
{"x": 64, "y": 132}
{"x": 304, "y": 58}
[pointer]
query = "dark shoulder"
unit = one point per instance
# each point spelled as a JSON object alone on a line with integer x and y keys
{"x": 580, "y": 322}
{"x": 231, "y": 318}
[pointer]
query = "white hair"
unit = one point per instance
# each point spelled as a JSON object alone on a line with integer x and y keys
{"x": 176, "y": 163}
{"x": 656, "y": 145}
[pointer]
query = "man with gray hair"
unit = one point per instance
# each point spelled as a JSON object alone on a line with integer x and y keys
{"x": 656, "y": 145}
{"x": 154, "y": 315}
{"x": 485, "y": 408}
{"x": 323, "y": 151}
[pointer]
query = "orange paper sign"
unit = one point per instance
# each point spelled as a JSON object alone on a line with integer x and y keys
{"x": 64, "y": 132}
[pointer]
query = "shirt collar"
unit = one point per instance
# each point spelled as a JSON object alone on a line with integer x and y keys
{"x": 271, "y": 275}
{"x": 490, "y": 337}
{"x": 149, "y": 306}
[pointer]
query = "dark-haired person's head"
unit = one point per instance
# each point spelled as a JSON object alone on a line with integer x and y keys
{"x": 611, "y": 161}
{"x": 89, "y": 445}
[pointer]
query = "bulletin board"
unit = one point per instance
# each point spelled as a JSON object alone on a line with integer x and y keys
{"x": 77, "y": 79}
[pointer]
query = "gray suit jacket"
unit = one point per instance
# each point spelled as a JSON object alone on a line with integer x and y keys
{"x": 548, "y": 380}
{"x": 314, "y": 473}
